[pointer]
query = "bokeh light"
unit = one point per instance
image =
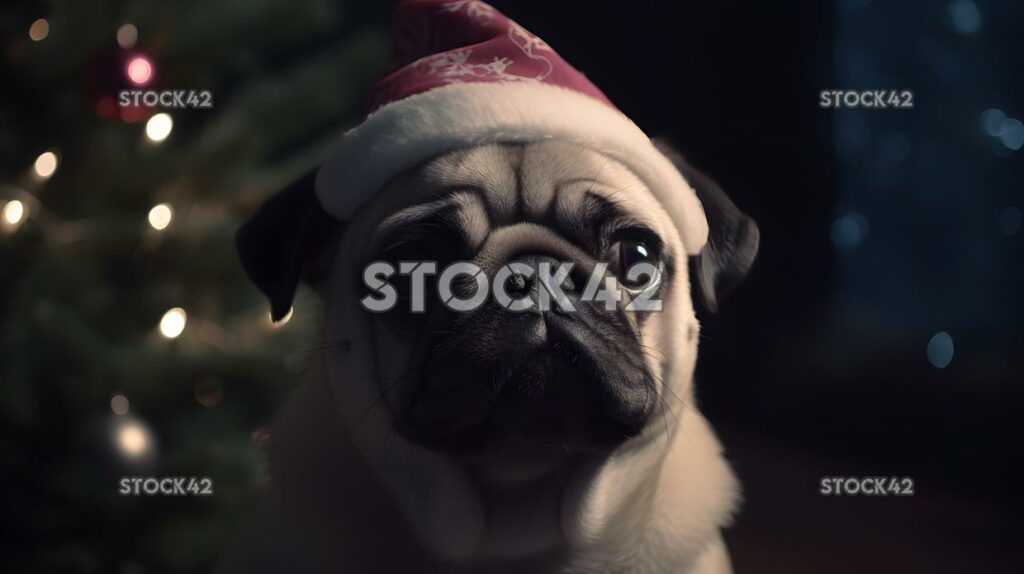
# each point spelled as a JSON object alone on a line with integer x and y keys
{"x": 106, "y": 107}
{"x": 45, "y": 164}
{"x": 119, "y": 404}
{"x": 940, "y": 350}
{"x": 160, "y": 216}
{"x": 1012, "y": 133}
{"x": 849, "y": 230}
{"x": 992, "y": 121}
{"x": 964, "y": 16}
{"x": 172, "y": 324}
{"x": 208, "y": 392}
{"x": 132, "y": 114}
{"x": 1009, "y": 131}
{"x": 127, "y": 36}
{"x": 39, "y": 30}
{"x": 133, "y": 439}
{"x": 140, "y": 70}
{"x": 13, "y": 214}
{"x": 159, "y": 127}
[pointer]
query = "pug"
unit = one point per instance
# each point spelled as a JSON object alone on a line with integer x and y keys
{"x": 492, "y": 439}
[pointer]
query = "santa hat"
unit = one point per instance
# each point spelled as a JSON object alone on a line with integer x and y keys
{"x": 469, "y": 75}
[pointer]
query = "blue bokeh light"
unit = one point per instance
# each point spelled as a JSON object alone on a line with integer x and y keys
{"x": 1012, "y": 134}
{"x": 992, "y": 121}
{"x": 940, "y": 350}
{"x": 849, "y": 230}
{"x": 964, "y": 16}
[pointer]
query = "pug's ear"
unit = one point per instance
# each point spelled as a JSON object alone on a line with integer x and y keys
{"x": 285, "y": 241}
{"x": 733, "y": 237}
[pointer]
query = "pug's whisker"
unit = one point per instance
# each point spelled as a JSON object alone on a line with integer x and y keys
{"x": 681, "y": 401}
{"x": 660, "y": 381}
{"x": 389, "y": 441}
{"x": 653, "y": 353}
{"x": 689, "y": 438}
{"x": 664, "y": 418}
{"x": 678, "y": 420}
{"x": 705, "y": 337}
{"x": 382, "y": 394}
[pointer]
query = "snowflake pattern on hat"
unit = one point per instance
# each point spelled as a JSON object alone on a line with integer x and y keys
{"x": 481, "y": 12}
{"x": 457, "y": 41}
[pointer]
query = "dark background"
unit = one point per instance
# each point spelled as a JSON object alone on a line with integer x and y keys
{"x": 817, "y": 366}
{"x": 880, "y": 229}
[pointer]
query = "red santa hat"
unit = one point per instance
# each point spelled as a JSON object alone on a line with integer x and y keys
{"x": 469, "y": 75}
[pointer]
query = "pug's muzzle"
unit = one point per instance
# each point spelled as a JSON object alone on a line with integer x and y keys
{"x": 573, "y": 375}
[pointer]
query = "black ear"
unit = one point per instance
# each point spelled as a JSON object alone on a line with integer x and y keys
{"x": 733, "y": 237}
{"x": 283, "y": 241}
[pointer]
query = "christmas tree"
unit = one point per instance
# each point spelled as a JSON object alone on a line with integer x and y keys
{"x": 133, "y": 345}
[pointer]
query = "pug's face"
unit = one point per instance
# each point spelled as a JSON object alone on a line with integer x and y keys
{"x": 585, "y": 374}
{"x": 579, "y": 377}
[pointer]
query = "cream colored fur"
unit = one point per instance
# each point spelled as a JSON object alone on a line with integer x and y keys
{"x": 655, "y": 505}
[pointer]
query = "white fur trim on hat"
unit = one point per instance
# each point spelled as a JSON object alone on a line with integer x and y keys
{"x": 407, "y": 132}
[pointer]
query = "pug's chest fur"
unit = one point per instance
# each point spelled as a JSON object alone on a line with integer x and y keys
{"x": 327, "y": 512}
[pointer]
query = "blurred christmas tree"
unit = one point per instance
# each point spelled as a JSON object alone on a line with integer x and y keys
{"x": 132, "y": 343}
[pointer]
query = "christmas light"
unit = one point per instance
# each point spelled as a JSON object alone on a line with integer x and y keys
{"x": 119, "y": 404}
{"x": 106, "y": 107}
{"x": 849, "y": 230}
{"x": 1012, "y": 134}
{"x": 131, "y": 114}
{"x": 159, "y": 127}
{"x": 13, "y": 214}
{"x": 173, "y": 323}
{"x": 287, "y": 317}
{"x": 208, "y": 392}
{"x": 160, "y": 216}
{"x": 140, "y": 70}
{"x": 39, "y": 30}
{"x": 127, "y": 35}
{"x": 45, "y": 164}
{"x": 940, "y": 350}
{"x": 964, "y": 16}
{"x": 992, "y": 121}
{"x": 133, "y": 439}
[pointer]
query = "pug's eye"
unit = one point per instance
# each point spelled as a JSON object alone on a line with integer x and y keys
{"x": 625, "y": 257}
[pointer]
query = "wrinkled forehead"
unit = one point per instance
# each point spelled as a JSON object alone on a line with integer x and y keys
{"x": 489, "y": 186}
